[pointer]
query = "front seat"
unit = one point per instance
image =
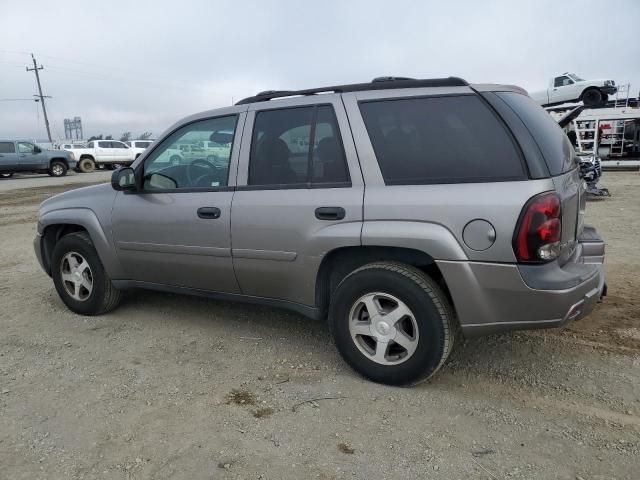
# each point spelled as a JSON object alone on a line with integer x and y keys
{"x": 271, "y": 164}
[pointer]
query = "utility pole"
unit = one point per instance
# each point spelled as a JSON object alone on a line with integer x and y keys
{"x": 42, "y": 97}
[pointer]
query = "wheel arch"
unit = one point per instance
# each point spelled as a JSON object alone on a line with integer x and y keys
{"x": 591, "y": 88}
{"x": 58, "y": 159}
{"x": 59, "y": 223}
{"x": 338, "y": 263}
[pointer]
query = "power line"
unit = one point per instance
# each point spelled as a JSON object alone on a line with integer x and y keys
{"x": 40, "y": 95}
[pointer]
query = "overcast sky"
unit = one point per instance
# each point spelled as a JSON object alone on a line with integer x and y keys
{"x": 140, "y": 66}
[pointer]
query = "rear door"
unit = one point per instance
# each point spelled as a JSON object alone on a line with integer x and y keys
{"x": 8, "y": 157}
{"x": 104, "y": 151}
{"x": 299, "y": 196}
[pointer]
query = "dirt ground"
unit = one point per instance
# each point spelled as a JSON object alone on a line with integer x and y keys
{"x": 189, "y": 388}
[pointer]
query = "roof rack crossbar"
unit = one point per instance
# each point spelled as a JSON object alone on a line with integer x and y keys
{"x": 380, "y": 83}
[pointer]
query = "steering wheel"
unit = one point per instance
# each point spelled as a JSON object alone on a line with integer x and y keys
{"x": 200, "y": 163}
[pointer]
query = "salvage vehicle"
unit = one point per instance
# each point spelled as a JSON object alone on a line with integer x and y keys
{"x": 419, "y": 211}
{"x": 138, "y": 146}
{"x": 103, "y": 153}
{"x": 23, "y": 156}
{"x": 568, "y": 87}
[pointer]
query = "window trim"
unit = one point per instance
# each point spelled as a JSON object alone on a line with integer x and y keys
{"x": 450, "y": 180}
{"x": 139, "y": 169}
{"x": 308, "y": 185}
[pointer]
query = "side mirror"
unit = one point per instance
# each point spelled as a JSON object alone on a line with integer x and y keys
{"x": 123, "y": 179}
{"x": 37, "y": 149}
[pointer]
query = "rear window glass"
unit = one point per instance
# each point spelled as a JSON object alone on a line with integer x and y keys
{"x": 440, "y": 140}
{"x": 550, "y": 138}
{"x": 7, "y": 147}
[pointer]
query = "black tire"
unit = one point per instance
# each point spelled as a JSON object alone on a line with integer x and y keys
{"x": 104, "y": 297}
{"x": 433, "y": 314}
{"x": 86, "y": 165}
{"x": 57, "y": 169}
{"x": 6, "y": 175}
{"x": 592, "y": 97}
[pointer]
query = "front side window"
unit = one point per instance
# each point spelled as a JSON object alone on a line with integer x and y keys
{"x": 181, "y": 162}
{"x": 448, "y": 139}
{"x": 90, "y": 145}
{"x": 7, "y": 147}
{"x": 562, "y": 81}
{"x": 297, "y": 146}
{"x": 24, "y": 147}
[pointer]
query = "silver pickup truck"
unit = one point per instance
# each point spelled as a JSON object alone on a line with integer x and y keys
{"x": 23, "y": 156}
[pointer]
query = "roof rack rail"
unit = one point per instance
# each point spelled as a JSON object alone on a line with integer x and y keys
{"x": 379, "y": 83}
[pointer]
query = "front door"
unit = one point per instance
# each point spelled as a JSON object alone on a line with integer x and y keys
{"x": 176, "y": 230}
{"x": 299, "y": 196}
{"x": 31, "y": 157}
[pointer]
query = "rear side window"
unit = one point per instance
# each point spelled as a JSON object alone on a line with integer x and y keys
{"x": 550, "y": 138}
{"x": 7, "y": 147}
{"x": 440, "y": 140}
{"x": 297, "y": 146}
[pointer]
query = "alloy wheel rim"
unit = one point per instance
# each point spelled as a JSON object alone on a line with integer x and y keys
{"x": 383, "y": 328}
{"x": 76, "y": 275}
{"x": 57, "y": 170}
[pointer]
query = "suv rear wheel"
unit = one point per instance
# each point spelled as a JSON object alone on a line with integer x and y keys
{"x": 57, "y": 169}
{"x": 6, "y": 175}
{"x": 79, "y": 277}
{"x": 392, "y": 323}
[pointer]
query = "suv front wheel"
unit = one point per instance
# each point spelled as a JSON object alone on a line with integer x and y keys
{"x": 79, "y": 277}
{"x": 392, "y": 323}
{"x": 57, "y": 169}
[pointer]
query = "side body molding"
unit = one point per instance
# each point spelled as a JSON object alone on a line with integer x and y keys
{"x": 86, "y": 218}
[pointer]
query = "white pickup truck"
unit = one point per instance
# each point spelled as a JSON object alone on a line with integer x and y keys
{"x": 109, "y": 153}
{"x": 569, "y": 87}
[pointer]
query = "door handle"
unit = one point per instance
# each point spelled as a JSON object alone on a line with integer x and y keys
{"x": 330, "y": 213}
{"x": 209, "y": 212}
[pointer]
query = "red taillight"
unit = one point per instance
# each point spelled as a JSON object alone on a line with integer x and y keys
{"x": 537, "y": 238}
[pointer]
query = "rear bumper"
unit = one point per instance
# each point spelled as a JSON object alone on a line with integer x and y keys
{"x": 491, "y": 298}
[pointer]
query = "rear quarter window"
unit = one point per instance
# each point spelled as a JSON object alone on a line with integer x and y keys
{"x": 553, "y": 143}
{"x": 446, "y": 139}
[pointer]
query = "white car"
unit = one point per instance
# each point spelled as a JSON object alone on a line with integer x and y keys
{"x": 139, "y": 146}
{"x": 569, "y": 87}
{"x": 103, "y": 153}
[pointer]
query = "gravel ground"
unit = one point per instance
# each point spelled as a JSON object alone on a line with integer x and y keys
{"x": 179, "y": 387}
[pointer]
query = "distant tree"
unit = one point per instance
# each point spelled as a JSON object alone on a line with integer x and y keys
{"x": 144, "y": 136}
{"x": 109, "y": 137}
{"x": 95, "y": 137}
{"x": 126, "y": 136}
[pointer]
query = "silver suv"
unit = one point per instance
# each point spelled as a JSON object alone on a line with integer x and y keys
{"x": 405, "y": 212}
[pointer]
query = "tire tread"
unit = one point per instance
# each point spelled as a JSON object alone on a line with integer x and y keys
{"x": 437, "y": 296}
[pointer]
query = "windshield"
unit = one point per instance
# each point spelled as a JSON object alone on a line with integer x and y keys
{"x": 575, "y": 77}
